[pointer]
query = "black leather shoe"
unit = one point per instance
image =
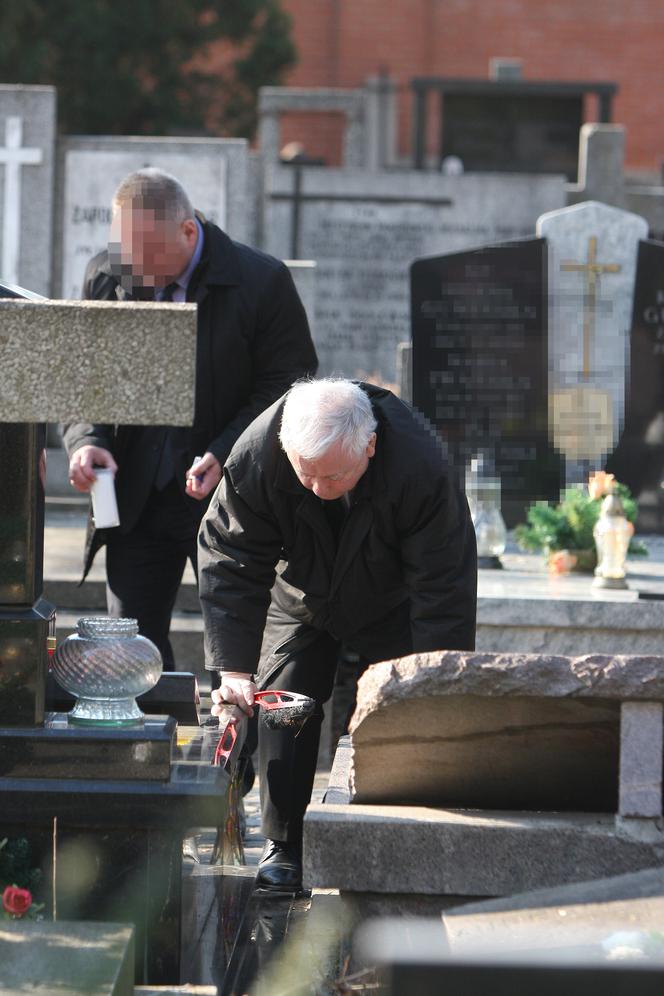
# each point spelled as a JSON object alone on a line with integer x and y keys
{"x": 280, "y": 867}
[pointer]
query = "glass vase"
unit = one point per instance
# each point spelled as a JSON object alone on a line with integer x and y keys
{"x": 106, "y": 664}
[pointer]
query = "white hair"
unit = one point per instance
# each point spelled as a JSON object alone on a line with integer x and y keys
{"x": 319, "y": 413}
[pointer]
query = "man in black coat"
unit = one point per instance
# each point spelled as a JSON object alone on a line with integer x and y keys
{"x": 336, "y": 520}
{"x": 253, "y": 341}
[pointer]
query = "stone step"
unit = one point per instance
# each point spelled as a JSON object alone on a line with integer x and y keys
{"x": 68, "y": 595}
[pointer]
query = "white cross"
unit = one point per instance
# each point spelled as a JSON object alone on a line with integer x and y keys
{"x": 13, "y": 157}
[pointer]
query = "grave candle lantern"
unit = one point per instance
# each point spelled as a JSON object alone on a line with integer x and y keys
{"x": 106, "y": 664}
{"x": 483, "y": 493}
{"x": 612, "y": 534}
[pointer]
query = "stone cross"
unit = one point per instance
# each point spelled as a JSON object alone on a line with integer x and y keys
{"x": 589, "y": 325}
{"x": 593, "y": 270}
{"x": 13, "y": 156}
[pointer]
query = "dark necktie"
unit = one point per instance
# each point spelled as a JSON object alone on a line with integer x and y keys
{"x": 166, "y": 467}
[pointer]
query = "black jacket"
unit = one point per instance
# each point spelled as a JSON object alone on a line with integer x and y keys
{"x": 403, "y": 577}
{"x": 253, "y": 341}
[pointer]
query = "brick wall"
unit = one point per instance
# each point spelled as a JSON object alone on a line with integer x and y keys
{"x": 342, "y": 42}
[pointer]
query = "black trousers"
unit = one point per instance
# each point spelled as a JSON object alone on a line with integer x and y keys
{"x": 144, "y": 567}
{"x": 287, "y": 762}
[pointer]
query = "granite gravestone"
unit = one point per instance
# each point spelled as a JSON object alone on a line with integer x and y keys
{"x": 214, "y": 172}
{"x": 416, "y": 958}
{"x": 27, "y": 154}
{"x": 365, "y": 229}
{"x": 71, "y": 959}
{"x": 122, "y": 806}
{"x": 638, "y": 460}
{"x": 479, "y": 329}
{"x": 592, "y": 267}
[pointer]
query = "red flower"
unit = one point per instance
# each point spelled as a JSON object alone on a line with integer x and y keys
{"x": 16, "y": 901}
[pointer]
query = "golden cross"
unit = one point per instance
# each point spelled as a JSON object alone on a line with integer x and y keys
{"x": 593, "y": 269}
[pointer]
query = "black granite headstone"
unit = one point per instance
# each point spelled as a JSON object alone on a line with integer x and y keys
{"x": 24, "y": 613}
{"x": 480, "y": 364}
{"x": 638, "y": 460}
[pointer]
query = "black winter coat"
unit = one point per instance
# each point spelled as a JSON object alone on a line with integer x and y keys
{"x": 253, "y": 341}
{"x": 404, "y": 575}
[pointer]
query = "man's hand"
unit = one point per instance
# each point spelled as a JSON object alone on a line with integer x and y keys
{"x": 83, "y": 462}
{"x": 203, "y": 476}
{"x": 238, "y": 689}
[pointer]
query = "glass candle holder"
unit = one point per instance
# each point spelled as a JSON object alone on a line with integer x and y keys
{"x": 106, "y": 664}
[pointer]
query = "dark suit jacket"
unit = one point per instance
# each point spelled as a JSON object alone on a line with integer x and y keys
{"x": 253, "y": 342}
{"x": 402, "y": 579}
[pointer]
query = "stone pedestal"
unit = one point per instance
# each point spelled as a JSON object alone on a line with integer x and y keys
{"x": 118, "y": 839}
{"x": 24, "y": 613}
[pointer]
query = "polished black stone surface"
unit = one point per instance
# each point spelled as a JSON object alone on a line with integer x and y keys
{"x": 62, "y": 750}
{"x": 175, "y": 694}
{"x": 24, "y": 614}
{"x": 638, "y": 460}
{"x": 480, "y": 363}
{"x": 119, "y": 842}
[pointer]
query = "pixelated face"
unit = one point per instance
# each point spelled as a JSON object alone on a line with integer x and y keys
{"x": 149, "y": 251}
{"x": 333, "y": 474}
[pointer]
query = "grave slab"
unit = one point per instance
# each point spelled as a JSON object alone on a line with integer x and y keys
{"x": 513, "y": 732}
{"x": 419, "y": 850}
{"x": 114, "y": 345}
{"x": 68, "y": 958}
{"x": 413, "y": 958}
{"x": 639, "y": 895}
{"x": 477, "y": 842}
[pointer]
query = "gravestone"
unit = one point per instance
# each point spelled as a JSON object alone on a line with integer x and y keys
{"x": 415, "y": 958}
{"x": 592, "y": 251}
{"x": 510, "y": 732}
{"x": 638, "y": 460}
{"x": 463, "y": 772}
{"x": 72, "y": 959}
{"x": 557, "y": 917}
{"x": 27, "y": 160}
{"x": 214, "y": 172}
{"x": 479, "y": 329}
{"x": 365, "y": 229}
{"x": 124, "y": 799}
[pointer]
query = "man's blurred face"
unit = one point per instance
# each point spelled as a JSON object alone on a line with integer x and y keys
{"x": 148, "y": 251}
{"x": 333, "y": 474}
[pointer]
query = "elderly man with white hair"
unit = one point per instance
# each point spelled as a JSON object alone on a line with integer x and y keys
{"x": 337, "y": 520}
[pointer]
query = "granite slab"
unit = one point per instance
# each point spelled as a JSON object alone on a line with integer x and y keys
{"x": 61, "y": 750}
{"x": 115, "y": 344}
{"x": 412, "y": 957}
{"x": 72, "y": 959}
